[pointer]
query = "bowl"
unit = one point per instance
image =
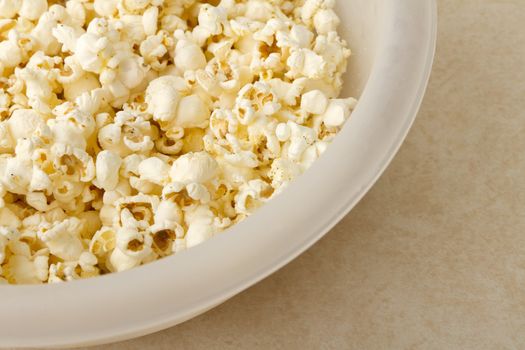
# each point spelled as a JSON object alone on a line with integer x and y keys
{"x": 393, "y": 45}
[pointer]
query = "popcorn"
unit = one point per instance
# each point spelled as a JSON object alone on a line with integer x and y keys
{"x": 133, "y": 243}
{"x": 9, "y": 221}
{"x": 37, "y": 200}
{"x": 326, "y": 21}
{"x": 306, "y": 63}
{"x": 282, "y": 171}
{"x": 153, "y": 50}
{"x": 86, "y": 83}
{"x": 168, "y": 211}
{"x": 154, "y": 170}
{"x": 107, "y": 170}
{"x": 251, "y": 195}
{"x": 105, "y": 8}
{"x": 32, "y": 9}
{"x": 62, "y": 238}
{"x": 212, "y": 19}
{"x": 22, "y": 270}
{"x": 23, "y": 123}
{"x": 76, "y": 13}
{"x": 189, "y": 56}
{"x": 301, "y": 137}
{"x": 314, "y": 102}
{"x": 10, "y": 54}
{"x": 163, "y": 96}
{"x": 283, "y": 132}
{"x": 149, "y": 20}
{"x": 200, "y": 225}
{"x": 9, "y": 8}
{"x": 103, "y": 242}
{"x": 193, "y": 168}
{"x": 134, "y": 129}
{"x": 337, "y": 112}
{"x": 17, "y": 175}
{"x": 192, "y": 112}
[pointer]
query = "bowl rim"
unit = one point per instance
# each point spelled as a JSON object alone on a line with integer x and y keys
{"x": 95, "y": 311}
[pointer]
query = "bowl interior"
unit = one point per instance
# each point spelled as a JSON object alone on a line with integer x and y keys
{"x": 361, "y": 27}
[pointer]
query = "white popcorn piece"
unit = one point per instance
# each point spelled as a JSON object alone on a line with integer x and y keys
{"x": 168, "y": 211}
{"x": 40, "y": 181}
{"x": 133, "y": 243}
{"x": 212, "y": 19}
{"x": 190, "y": 168}
{"x": 130, "y": 165}
{"x": 192, "y": 112}
{"x": 76, "y": 13}
{"x": 105, "y": 8}
{"x": 306, "y": 63}
{"x": 150, "y": 19}
{"x": 133, "y": 29}
{"x": 7, "y": 144}
{"x": 63, "y": 239}
{"x": 197, "y": 234}
{"x": 251, "y": 196}
{"x": 283, "y": 171}
{"x": 87, "y": 261}
{"x": 283, "y": 132}
{"x": 87, "y": 52}
{"x": 326, "y": 21}
{"x": 22, "y": 270}
{"x": 23, "y": 123}
{"x": 301, "y": 138}
{"x": 132, "y": 247}
{"x": 302, "y": 36}
{"x": 137, "y": 211}
{"x": 10, "y": 54}
{"x": 338, "y": 112}
{"x": 67, "y": 36}
{"x": 110, "y": 138}
{"x": 17, "y": 175}
{"x": 131, "y": 72}
{"x": 103, "y": 242}
{"x": 32, "y": 9}
{"x": 134, "y": 5}
{"x": 164, "y": 237}
{"x": 259, "y": 11}
{"x": 43, "y": 37}
{"x": 154, "y": 170}
{"x": 91, "y": 223}
{"x": 66, "y": 191}
{"x": 107, "y": 170}
{"x": 314, "y": 102}
{"x": 86, "y": 83}
{"x": 9, "y": 8}
{"x": 189, "y": 56}
{"x": 200, "y": 225}
{"x": 37, "y": 200}
{"x": 154, "y": 51}
{"x": 121, "y": 262}
{"x": 162, "y": 97}
{"x": 198, "y": 192}
{"x": 9, "y": 220}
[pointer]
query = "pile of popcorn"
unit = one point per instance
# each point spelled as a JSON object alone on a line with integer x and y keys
{"x": 134, "y": 129}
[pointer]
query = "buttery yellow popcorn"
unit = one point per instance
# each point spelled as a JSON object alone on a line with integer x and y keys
{"x": 134, "y": 129}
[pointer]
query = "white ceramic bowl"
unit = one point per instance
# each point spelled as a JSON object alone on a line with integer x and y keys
{"x": 393, "y": 44}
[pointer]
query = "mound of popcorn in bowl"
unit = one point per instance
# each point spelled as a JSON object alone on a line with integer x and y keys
{"x": 134, "y": 129}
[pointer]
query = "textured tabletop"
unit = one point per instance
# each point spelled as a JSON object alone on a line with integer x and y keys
{"x": 434, "y": 256}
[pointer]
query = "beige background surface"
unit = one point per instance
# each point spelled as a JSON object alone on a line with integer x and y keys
{"x": 434, "y": 256}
